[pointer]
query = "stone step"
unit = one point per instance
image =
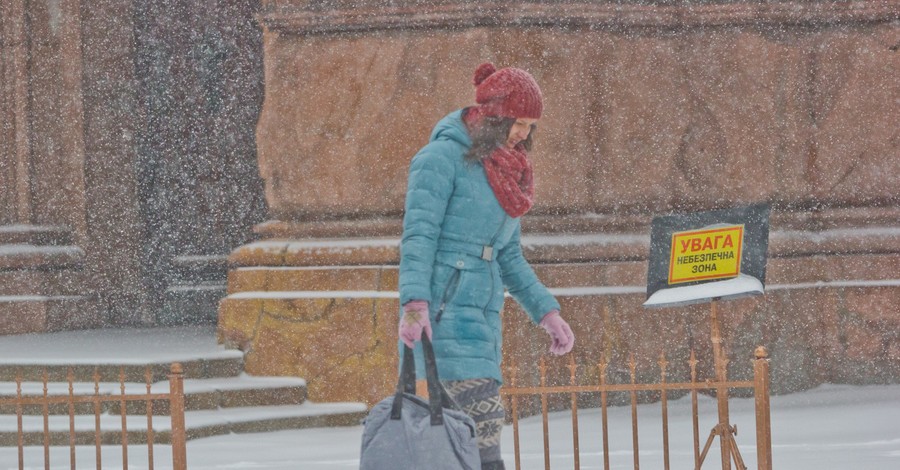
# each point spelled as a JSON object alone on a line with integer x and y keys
{"x": 41, "y": 282}
{"x": 28, "y": 256}
{"x": 312, "y": 278}
{"x": 191, "y": 304}
{"x": 198, "y": 268}
{"x": 219, "y": 397}
{"x": 35, "y": 235}
{"x": 229, "y": 364}
{"x": 200, "y": 394}
{"x": 201, "y": 423}
{"x": 20, "y": 314}
{"x": 114, "y": 350}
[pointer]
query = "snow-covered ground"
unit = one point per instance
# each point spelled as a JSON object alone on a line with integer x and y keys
{"x": 830, "y": 427}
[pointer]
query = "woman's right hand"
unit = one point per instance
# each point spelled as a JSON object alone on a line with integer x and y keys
{"x": 414, "y": 322}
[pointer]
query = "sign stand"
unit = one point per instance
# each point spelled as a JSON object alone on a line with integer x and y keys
{"x": 708, "y": 257}
{"x": 724, "y": 430}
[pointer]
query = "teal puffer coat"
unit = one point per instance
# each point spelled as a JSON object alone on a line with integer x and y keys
{"x": 458, "y": 252}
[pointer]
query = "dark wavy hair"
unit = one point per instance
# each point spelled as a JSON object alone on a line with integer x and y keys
{"x": 492, "y": 133}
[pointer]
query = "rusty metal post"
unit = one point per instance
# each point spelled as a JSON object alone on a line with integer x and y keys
{"x": 176, "y": 405}
{"x": 763, "y": 421}
{"x": 721, "y": 376}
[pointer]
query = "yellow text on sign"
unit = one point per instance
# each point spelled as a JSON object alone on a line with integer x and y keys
{"x": 706, "y": 254}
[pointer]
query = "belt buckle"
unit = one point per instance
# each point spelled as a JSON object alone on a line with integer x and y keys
{"x": 487, "y": 253}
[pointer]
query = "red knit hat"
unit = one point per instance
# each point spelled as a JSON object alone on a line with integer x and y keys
{"x": 508, "y": 92}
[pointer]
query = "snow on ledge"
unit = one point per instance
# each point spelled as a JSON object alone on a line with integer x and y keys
{"x": 675, "y": 296}
{"x": 323, "y": 294}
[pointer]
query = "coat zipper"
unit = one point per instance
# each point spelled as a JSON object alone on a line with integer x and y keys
{"x": 493, "y": 240}
{"x": 451, "y": 286}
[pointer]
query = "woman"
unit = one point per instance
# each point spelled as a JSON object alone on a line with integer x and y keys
{"x": 460, "y": 248}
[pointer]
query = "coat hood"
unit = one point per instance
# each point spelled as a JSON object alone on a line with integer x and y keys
{"x": 451, "y": 127}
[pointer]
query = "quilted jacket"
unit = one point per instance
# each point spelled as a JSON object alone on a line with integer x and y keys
{"x": 459, "y": 251}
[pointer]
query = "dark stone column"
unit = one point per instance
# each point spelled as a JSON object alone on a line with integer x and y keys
{"x": 199, "y": 70}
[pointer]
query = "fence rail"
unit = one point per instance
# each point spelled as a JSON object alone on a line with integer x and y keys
{"x": 513, "y": 390}
{"x": 175, "y": 399}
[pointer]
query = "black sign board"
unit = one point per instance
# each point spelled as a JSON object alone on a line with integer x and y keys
{"x": 700, "y": 256}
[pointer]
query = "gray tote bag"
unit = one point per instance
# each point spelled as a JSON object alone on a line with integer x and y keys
{"x": 406, "y": 432}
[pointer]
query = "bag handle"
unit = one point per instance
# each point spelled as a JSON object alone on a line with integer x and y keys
{"x": 438, "y": 399}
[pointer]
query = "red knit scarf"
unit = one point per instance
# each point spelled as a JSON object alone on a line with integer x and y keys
{"x": 510, "y": 176}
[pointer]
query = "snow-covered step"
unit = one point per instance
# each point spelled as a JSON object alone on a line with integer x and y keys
{"x": 273, "y": 418}
{"x": 200, "y": 394}
{"x": 229, "y": 364}
{"x": 109, "y": 350}
{"x": 201, "y": 423}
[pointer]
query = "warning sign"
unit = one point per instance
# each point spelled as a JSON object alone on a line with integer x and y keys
{"x": 713, "y": 253}
{"x": 699, "y": 256}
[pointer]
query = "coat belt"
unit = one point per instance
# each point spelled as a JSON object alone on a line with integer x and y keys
{"x": 485, "y": 252}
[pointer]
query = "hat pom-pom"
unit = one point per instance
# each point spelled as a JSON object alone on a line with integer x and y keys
{"x": 483, "y": 71}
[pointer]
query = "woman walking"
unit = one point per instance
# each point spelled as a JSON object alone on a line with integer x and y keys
{"x": 460, "y": 248}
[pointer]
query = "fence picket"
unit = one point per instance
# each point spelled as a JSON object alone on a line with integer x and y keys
{"x": 604, "y": 364}
{"x": 632, "y": 366}
{"x": 20, "y": 439}
{"x": 46, "y": 410}
{"x": 97, "y": 434}
{"x": 695, "y": 412}
{"x": 574, "y": 397}
{"x": 124, "y": 419}
{"x": 664, "y": 401}
{"x": 545, "y": 414}
{"x": 148, "y": 377}
{"x": 70, "y": 377}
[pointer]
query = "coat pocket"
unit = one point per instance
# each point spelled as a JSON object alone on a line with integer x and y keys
{"x": 449, "y": 292}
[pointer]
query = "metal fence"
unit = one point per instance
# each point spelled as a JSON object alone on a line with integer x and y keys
{"x": 100, "y": 404}
{"x": 514, "y": 391}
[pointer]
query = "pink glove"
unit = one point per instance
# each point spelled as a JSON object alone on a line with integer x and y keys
{"x": 559, "y": 331}
{"x": 414, "y": 321}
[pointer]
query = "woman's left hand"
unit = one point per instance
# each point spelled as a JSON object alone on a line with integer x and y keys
{"x": 560, "y": 333}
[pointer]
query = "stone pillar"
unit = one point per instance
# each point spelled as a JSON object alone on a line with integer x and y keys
{"x": 650, "y": 107}
{"x": 115, "y": 229}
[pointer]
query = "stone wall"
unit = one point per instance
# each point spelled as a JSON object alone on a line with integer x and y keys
{"x": 738, "y": 106}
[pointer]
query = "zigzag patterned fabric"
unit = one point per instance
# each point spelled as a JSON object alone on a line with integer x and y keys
{"x": 480, "y": 399}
